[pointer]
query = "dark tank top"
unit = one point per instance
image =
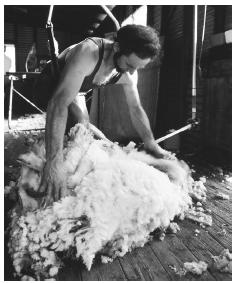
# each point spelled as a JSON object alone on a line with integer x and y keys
{"x": 88, "y": 81}
{"x": 88, "y": 84}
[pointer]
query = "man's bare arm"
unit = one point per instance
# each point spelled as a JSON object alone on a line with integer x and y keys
{"x": 80, "y": 115}
{"x": 139, "y": 117}
{"x": 77, "y": 67}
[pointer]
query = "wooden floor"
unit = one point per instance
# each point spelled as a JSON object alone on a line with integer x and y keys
{"x": 155, "y": 260}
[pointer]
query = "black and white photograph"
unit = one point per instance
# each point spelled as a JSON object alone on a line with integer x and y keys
{"x": 117, "y": 141}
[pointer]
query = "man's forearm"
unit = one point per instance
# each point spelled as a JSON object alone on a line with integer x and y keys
{"x": 141, "y": 123}
{"x": 55, "y": 129}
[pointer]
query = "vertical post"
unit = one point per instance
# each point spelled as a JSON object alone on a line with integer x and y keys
{"x": 10, "y": 102}
{"x": 194, "y": 85}
{"x": 184, "y": 87}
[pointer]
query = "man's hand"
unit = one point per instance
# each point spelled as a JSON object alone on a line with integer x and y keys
{"x": 98, "y": 133}
{"x": 53, "y": 182}
{"x": 157, "y": 151}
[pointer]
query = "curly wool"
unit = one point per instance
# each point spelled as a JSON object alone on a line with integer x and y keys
{"x": 116, "y": 202}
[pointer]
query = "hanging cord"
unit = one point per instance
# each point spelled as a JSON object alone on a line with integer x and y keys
{"x": 202, "y": 41}
{"x": 53, "y": 48}
{"x": 49, "y": 20}
{"x": 111, "y": 16}
{"x": 85, "y": 94}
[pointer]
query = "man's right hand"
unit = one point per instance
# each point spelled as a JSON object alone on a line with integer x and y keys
{"x": 158, "y": 151}
{"x": 53, "y": 182}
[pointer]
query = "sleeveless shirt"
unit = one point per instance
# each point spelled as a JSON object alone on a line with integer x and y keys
{"x": 87, "y": 84}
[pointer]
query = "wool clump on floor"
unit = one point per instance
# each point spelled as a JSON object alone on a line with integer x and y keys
{"x": 223, "y": 262}
{"x": 196, "y": 267}
{"x": 115, "y": 199}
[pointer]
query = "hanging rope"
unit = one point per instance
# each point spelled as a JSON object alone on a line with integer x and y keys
{"x": 202, "y": 41}
{"x": 111, "y": 16}
{"x": 49, "y": 20}
{"x": 53, "y": 48}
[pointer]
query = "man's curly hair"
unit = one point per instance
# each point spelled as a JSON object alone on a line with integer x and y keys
{"x": 138, "y": 39}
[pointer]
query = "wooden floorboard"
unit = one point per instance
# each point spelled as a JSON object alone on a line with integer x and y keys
{"x": 104, "y": 272}
{"x": 172, "y": 252}
{"x": 147, "y": 265}
{"x": 202, "y": 246}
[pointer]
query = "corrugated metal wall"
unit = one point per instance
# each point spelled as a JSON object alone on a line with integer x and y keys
{"x": 218, "y": 96}
{"x": 213, "y": 94}
{"x": 228, "y": 19}
{"x": 42, "y": 45}
{"x": 154, "y": 19}
{"x": 169, "y": 92}
{"x": 9, "y": 32}
{"x": 24, "y": 36}
{"x": 193, "y": 140}
{"x": 175, "y": 94}
{"x": 154, "y": 16}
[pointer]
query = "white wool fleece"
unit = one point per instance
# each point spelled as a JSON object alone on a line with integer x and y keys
{"x": 122, "y": 197}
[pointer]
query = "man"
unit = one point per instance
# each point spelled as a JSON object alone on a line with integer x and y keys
{"x": 90, "y": 63}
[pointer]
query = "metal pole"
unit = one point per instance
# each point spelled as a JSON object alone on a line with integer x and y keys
{"x": 50, "y": 14}
{"x": 202, "y": 37}
{"x": 194, "y": 85}
{"x": 185, "y": 128}
{"x": 10, "y": 102}
{"x": 29, "y": 101}
{"x": 53, "y": 51}
{"x": 112, "y": 17}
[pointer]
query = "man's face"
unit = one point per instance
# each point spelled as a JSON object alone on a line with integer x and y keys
{"x": 130, "y": 63}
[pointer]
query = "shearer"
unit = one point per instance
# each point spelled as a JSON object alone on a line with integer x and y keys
{"x": 84, "y": 66}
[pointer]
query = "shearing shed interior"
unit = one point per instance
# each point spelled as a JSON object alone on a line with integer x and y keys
{"x": 139, "y": 187}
